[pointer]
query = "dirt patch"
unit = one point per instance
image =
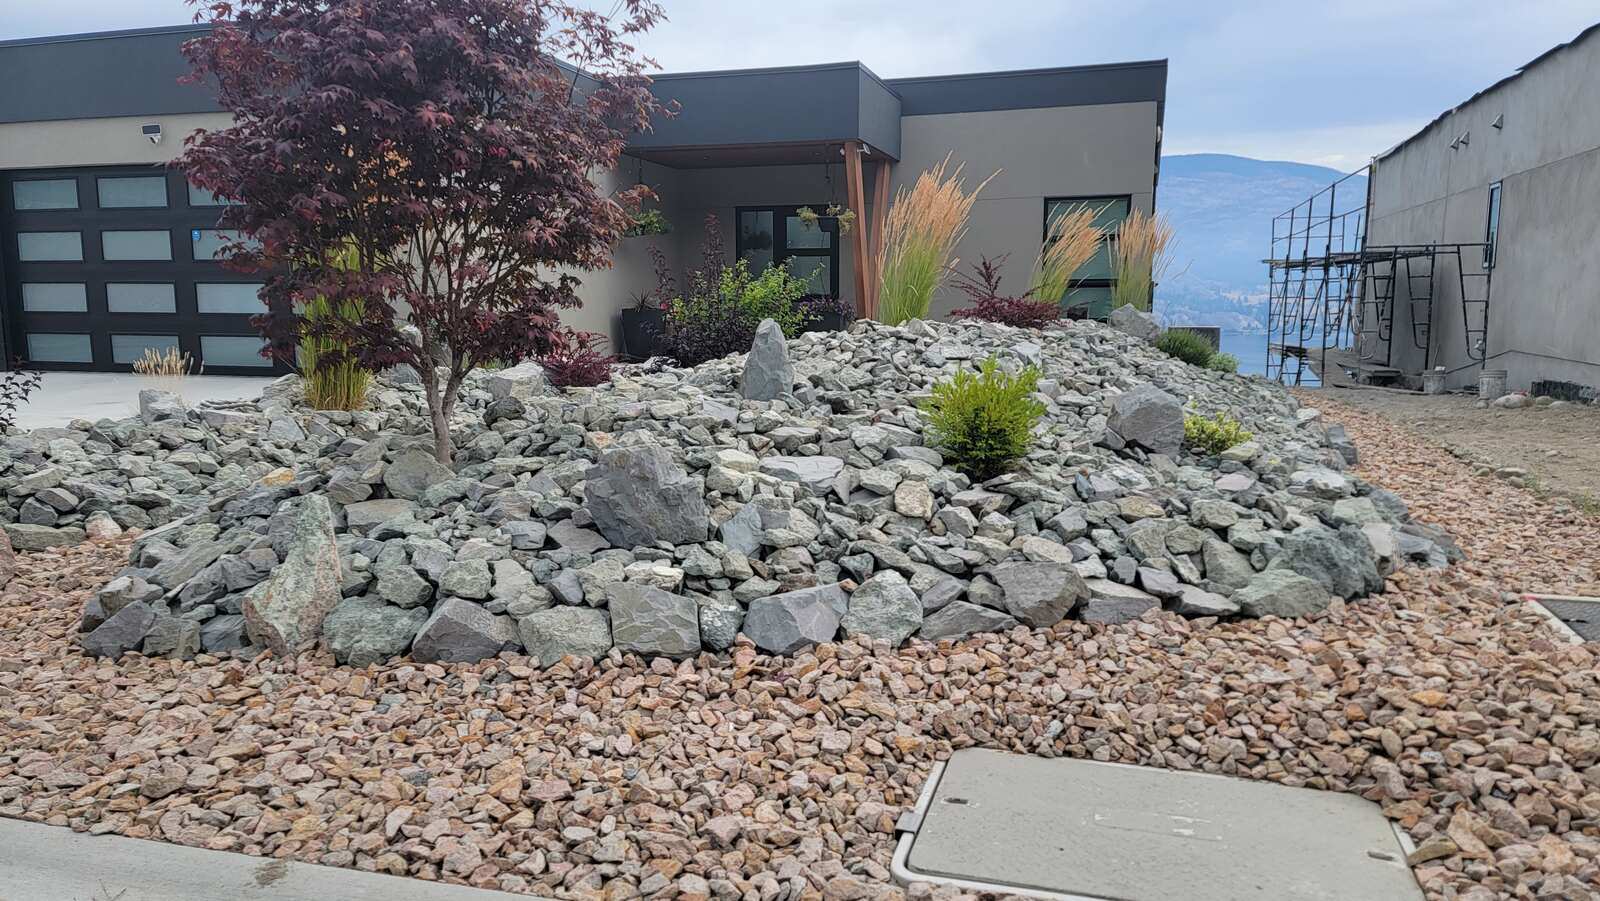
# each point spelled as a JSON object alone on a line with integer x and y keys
{"x": 1557, "y": 447}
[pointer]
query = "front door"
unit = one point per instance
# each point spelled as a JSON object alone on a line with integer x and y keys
{"x": 777, "y": 235}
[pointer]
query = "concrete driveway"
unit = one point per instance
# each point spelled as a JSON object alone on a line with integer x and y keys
{"x": 65, "y": 396}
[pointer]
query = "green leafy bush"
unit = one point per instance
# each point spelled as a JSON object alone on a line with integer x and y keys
{"x": 1215, "y": 435}
{"x": 1223, "y": 363}
{"x": 719, "y": 313}
{"x": 983, "y": 421}
{"x": 1186, "y": 346}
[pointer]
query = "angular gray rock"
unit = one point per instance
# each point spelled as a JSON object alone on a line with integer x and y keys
{"x": 469, "y": 578}
{"x": 1148, "y": 417}
{"x": 551, "y": 634}
{"x": 362, "y": 516}
{"x": 816, "y": 474}
{"x": 362, "y": 631}
{"x": 463, "y": 632}
{"x": 521, "y": 381}
{"x": 1194, "y": 601}
{"x": 1342, "y": 562}
{"x": 398, "y": 581}
{"x": 1224, "y": 565}
{"x": 578, "y": 540}
{"x": 223, "y": 633}
{"x": 795, "y": 620}
{"x": 413, "y": 472}
{"x": 173, "y": 637}
{"x": 1039, "y": 594}
{"x": 768, "y": 374}
{"x": 123, "y": 632}
{"x": 156, "y": 405}
{"x": 1135, "y": 322}
{"x": 720, "y": 622}
{"x": 30, "y": 537}
{"x": 1111, "y": 602}
{"x": 1280, "y": 592}
{"x": 960, "y": 619}
{"x": 639, "y": 496}
{"x": 650, "y": 621}
{"x": 883, "y": 608}
{"x": 285, "y": 612}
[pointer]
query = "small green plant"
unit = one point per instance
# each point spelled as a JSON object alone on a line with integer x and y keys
{"x": 1223, "y": 362}
{"x": 334, "y": 380}
{"x": 983, "y": 421}
{"x": 1212, "y": 436}
{"x": 1186, "y": 346}
{"x": 845, "y": 216}
{"x": 648, "y": 222}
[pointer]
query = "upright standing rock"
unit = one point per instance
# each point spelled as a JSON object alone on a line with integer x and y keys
{"x": 768, "y": 374}
{"x": 639, "y": 496}
{"x": 1131, "y": 321}
{"x": 285, "y": 612}
{"x": 1148, "y": 417}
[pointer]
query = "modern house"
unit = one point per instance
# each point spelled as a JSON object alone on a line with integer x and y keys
{"x": 107, "y": 251}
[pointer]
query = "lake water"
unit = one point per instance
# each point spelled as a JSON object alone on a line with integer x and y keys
{"x": 1250, "y": 348}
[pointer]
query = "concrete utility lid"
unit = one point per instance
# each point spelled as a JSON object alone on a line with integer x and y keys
{"x": 1078, "y": 829}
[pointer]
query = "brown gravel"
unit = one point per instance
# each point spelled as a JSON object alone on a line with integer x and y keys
{"x": 1461, "y": 712}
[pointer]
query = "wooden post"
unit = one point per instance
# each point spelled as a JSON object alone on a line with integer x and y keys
{"x": 880, "y": 210}
{"x": 857, "y": 200}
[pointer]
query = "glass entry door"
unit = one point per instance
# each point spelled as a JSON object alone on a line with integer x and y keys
{"x": 777, "y": 235}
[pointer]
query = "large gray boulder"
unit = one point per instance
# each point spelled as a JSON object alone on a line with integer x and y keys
{"x": 795, "y": 620}
{"x": 1112, "y": 602}
{"x": 816, "y": 474}
{"x": 521, "y": 381}
{"x": 173, "y": 637}
{"x": 123, "y": 632}
{"x": 959, "y": 619}
{"x": 1342, "y": 562}
{"x": 1148, "y": 417}
{"x": 647, "y": 620}
{"x": 1225, "y": 566}
{"x": 362, "y": 631}
{"x": 884, "y": 608}
{"x": 398, "y": 581}
{"x": 156, "y": 405}
{"x": 463, "y": 632}
{"x": 285, "y": 612}
{"x": 768, "y": 374}
{"x": 1132, "y": 321}
{"x": 1039, "y": 594}
{"x": 639, "y": 496}
{"x": 31, "y": 537}
{"x": 553, "y": 633}
{"x": 1280, "y": 592}
{"x": 413, "y": 472}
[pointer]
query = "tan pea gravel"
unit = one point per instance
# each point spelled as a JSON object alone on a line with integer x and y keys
{"x": 755, "y": 777}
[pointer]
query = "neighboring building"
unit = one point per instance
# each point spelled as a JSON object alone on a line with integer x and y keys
{"x": 106, "y": 252}
{"x": 1516, "y": 167}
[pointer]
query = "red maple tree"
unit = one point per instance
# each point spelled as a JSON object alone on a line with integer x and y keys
{"x": 433, "y": 160}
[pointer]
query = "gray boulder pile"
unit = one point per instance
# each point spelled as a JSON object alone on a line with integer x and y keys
{"x": 790, "y": 497}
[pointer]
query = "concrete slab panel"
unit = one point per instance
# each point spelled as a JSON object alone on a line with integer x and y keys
{"x": 52, "y": 863}
{"x": 65, "y": 396}
{"x": 1085, "y": 830}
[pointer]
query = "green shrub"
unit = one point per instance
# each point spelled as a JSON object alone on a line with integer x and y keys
{"x": 983, "y": 421}
{"x": 1223, "y": 363}
{"x": 1215, "y": 435}
{"x": 1186, "y": 346}
{"x": 719, "y": 313}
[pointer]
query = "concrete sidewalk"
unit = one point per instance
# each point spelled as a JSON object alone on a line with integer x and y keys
{"x": 51, "y": 863}
{"x": 65, "y": 396}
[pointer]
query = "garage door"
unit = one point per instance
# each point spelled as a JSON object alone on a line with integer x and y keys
{"x": 103, "y": 265}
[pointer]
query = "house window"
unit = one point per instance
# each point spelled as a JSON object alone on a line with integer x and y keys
{"x": 779, "y": 236}
{"x": 1091, "y": 286}
{"x": 1491, "y": 237}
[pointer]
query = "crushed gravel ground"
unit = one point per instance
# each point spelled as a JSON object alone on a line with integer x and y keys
{"x": 1460, "y": 711}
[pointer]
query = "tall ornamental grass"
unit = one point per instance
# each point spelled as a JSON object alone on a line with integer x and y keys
{"x": 920, "y": 235}
{"x": 1142, "y": 255}
{"x": 1072, "y": 240}
{"x": 334, "y": 380}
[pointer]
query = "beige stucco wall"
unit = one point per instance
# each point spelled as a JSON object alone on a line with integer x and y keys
{"x": 98, "y": 142}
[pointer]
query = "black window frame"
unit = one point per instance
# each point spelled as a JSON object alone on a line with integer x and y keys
{"x": 781, "y": 252}
{"x": 1109, "y": 239}
{"x": 1491, "y": 229}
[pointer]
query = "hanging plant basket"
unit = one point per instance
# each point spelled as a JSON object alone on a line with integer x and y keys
{"x": 844, "y": 216}
{"x": 648, "y": 222}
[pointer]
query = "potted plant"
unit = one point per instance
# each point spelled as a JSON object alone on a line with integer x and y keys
{"x": 648, "y": 222}
{"x": 643, "y": 323}
{"x": 825, "y": 313}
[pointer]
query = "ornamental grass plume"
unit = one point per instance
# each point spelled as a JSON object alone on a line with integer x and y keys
{"x": 1072, "y": 239}
{"x": 920, "y": 235}
{"x": 1141, "y": 257}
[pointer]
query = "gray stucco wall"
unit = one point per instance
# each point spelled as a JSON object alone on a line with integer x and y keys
{"x": 1544, "y": 315}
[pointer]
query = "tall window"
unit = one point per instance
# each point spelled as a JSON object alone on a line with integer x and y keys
{"x": 1091, "y": 288}
{"x": 779, "y": 236}
{"x": 1491, "y": 234}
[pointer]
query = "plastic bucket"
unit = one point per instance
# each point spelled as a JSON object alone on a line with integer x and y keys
{"x": 1491, "y": 384}
{"x": 1433, "y": 383}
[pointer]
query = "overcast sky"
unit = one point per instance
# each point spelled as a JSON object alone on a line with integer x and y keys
{"x": 1333, "y": 82}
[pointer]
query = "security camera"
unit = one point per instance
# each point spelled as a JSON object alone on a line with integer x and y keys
{"x": 153, "y": 132}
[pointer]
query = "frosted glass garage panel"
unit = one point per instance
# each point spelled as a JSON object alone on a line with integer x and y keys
{"x": 134, "y": 192}
{"x": 230, "y": 298}
{"x": 49, "y": 247}
{"x": 199, "y": 196}
{"x": 44, "y": 297}
{"x": 140, "y": 297}
{"x": 45, "y": 194}
{"x": 233, "y": 350}
{"x": 125, "y": 349}
{"x": 45, "y": 347}
{"x": 208, "y": 242}
{"x": 136, "y": 245}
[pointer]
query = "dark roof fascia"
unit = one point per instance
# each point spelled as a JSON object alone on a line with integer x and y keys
{"x": 1126, "y": 82}
{"x": 103, "y": 35}
{"x": 1521, "y": 70}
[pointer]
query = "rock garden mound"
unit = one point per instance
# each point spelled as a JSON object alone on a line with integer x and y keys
{"x": 667, "y": 513}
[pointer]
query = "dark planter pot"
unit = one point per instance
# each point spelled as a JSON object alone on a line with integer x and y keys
{"x": 827, "y": 321}
{"x": 641, "y": 331}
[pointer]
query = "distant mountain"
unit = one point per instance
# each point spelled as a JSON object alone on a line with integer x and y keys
{"x": 1221, "y": 208}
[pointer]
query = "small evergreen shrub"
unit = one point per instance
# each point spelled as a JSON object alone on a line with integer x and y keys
{"x": 575, "y": 360}
{"x": 1223, "y": 363}
{"x": 1186, "y": 346}
{"x": 983, "y": 421}
{"x": 1213, "y": 436}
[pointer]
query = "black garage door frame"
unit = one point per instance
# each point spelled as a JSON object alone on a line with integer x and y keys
{"x": 180, "y": 219}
